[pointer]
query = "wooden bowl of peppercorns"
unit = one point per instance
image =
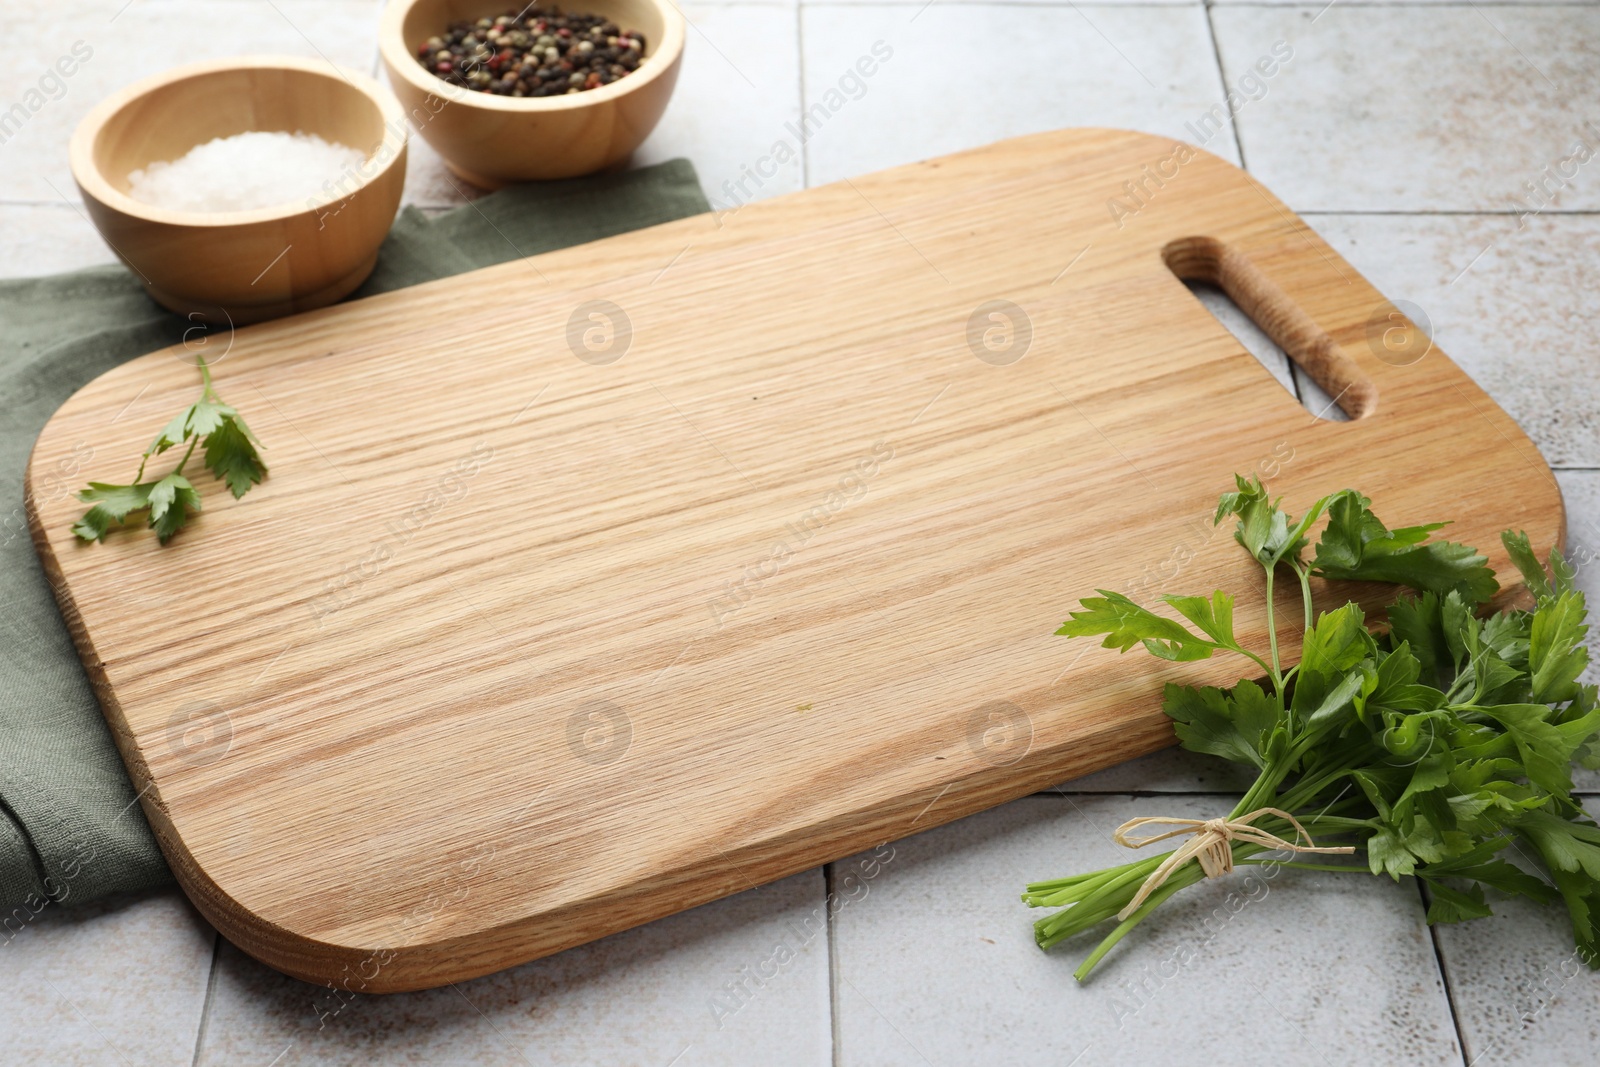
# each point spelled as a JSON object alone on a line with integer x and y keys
{"x": 507, "y": 95}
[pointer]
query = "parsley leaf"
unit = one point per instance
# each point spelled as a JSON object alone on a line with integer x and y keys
{"x": 1556, "y": 653}
{"x": 1545, "y": 752}
{"x": 1214, "y": 617}
{"x": 1419, "y": 623}
{"x": 230, "y": 454}
{"x": 1387, "y": 854}
{"x": 112, "y": 504}
{"x": 1267, "y": 532}
{"x": 1126, "y": 624}
{"x": 171, "y": 500}
{"x": 1231, "y": 725}
{"x": 207, "y": 415}
{"x": 1453, "y": 906}
{"x": 174, "y": 433}
{"x": 1521, "y": 553}
{"x": 1357, "y": 546}
{"x": 1565, "y": 844}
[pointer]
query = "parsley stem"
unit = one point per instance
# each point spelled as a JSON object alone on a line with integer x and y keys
{"x": 1304, "y": 866}
{"x": 179, "y": 470}
{"x": 206, "y": 391}
{"x": 1056, "y": 886}
{"x": 1096, "y": 907}
{"x": 1156, "y": 899}
{"x": 1304, "y": 574}
{"x": 1264, "y": 787}
{"x": 1307, "y": 789}
{"x": 1272, "y": 639}
{"x": 1259, "y": 662}
{"x": 1182, "y": 878}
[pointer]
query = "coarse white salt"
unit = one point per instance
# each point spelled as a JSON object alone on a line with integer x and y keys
{"x": 246, "y": 172}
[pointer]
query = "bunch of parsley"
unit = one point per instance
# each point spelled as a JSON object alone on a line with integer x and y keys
{"x": 1432, "y": 747}
{"x": 230, "y": 452}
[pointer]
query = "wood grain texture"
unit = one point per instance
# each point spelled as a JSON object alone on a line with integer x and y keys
{"x": 515, "y": 649}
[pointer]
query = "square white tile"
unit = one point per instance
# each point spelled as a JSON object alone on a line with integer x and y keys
{"x": 147, "y": 36}
{"x": 1513, "y": 307}
{"x": 1420, "y": 108}
{"x": 1581, "y": 490}
{"x": 1318, "y": 5}
{"x": 961, "y": 75}
{"x": 668, "y": 992}
{"x": 937, "y": 965}
{"x": 429, "y": 183}
{"x": 119, "y": 981}
{"x": 1172, "y": 770}
{"x": 1522, "y": 995}
{"x": 47, "y": 239}
{"x": 737, "y": 93}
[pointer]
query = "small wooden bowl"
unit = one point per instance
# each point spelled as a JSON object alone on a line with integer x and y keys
{"x": 492, "y": 140}
{"x": 244, "y": 266}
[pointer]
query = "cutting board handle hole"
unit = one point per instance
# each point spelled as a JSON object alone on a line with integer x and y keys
{"x": 1256, "y": 297}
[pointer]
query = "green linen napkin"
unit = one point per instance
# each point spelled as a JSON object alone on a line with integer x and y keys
{"x": 70, "y": 827}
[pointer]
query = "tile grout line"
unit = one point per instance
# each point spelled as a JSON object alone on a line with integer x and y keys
{"x": 833, "y": 963}
{"x": 1447, "y": 212}
{"x": 205, "y": 1005}
{"x": 1444, "y": 977}
{"x": 1222, "y": 78}
{"x": 1399, "y": 3}
{"x": 1284, "y": 4}
{"x": 800, "y": 81}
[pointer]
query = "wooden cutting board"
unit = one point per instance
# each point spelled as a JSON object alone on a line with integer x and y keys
{"x": 597, "y": 585}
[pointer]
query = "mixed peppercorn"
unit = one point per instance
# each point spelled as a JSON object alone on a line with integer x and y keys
{"x": 540, "y": 52}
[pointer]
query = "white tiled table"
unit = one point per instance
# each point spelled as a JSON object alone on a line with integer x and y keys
{"x": 1404, "y": 132}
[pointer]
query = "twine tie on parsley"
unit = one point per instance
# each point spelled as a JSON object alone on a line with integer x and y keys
{"x": 1211, "y": 844}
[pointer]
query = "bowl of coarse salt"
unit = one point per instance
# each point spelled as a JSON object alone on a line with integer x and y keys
{"x": 246, "y": 188}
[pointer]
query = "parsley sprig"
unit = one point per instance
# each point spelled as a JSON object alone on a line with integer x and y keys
{"x": 1437, "y": 748}
{"x": 229, "y": 452}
